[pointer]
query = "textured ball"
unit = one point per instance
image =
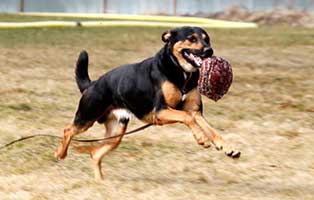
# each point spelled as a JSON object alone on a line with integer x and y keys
{"x": 215, "y": 77}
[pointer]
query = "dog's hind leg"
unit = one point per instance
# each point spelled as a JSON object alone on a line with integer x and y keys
{"x": 69, "y": 132}
{"x": 116, "y": 124}
{"x": 91, "y": 107}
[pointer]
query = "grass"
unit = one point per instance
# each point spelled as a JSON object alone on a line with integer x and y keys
{"x": 267, "y": 114}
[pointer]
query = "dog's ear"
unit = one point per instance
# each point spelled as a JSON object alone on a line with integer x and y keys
{"x": 165, "y": 37}
{"x": 169, "y": 35}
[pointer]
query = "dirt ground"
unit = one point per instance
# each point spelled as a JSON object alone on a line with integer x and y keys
{"x": 268, "y": 114}
{"x": 295, "y": 18}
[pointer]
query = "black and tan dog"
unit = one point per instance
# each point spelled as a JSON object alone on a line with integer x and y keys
{"x": 159, "y": 90}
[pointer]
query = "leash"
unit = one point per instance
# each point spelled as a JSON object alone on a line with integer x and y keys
{"x": 76, "y": 140}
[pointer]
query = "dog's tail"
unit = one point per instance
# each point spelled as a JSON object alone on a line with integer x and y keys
{"x": 81, "y": 72}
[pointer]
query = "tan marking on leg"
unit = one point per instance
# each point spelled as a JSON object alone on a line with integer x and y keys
{"x": 215, "y": 137}
{"x": 110, "y": 125}
{"x": 98, "y": 175}
{"x": 69, "y": 132}
{"x": 192, "y": 105}
{"x": 99, "y": 151}
{"x": 168, "y": 116}
{"x": 192, "y": 101}
{"x": 171, "y": 93}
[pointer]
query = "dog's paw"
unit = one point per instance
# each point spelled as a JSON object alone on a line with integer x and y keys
{"x": 59, "y": 155}
{"x": 206, "y": 144}
{"x": 218, "y": 144}
{"x": 233, "y": 153}
{"x": 99, "y": 178}
{"x": 203, "y": 140}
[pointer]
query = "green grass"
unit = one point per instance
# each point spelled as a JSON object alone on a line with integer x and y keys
{"x": 265, "y": 36}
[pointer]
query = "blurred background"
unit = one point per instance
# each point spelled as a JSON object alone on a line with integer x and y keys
{"x": 165, "y": 7}
{"x": 291, "y": 12}
{"x": 268, "y": 113}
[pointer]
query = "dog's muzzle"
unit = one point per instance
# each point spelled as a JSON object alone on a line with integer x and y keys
{"x": 196, "y": 57}
{"x": 207, "y": 52}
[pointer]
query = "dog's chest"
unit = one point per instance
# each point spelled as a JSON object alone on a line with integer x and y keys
{"x": 171, "y": 93}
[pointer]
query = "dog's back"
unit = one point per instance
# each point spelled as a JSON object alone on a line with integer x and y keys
{"x": 131, "y": 86}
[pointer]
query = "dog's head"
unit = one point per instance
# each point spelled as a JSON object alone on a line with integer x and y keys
{"x": 189, "y": 46}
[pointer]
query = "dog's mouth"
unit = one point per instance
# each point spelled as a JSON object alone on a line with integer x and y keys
{"x": 192, "y": 58}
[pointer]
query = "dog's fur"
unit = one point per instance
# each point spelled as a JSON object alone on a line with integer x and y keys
{"x": 159, "y": 90}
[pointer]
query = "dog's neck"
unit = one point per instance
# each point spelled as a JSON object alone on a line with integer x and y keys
{"x": 167, "y": 62}
{"x": 175, "y": 62}
{"x": 168, "y": 59}
{"x": 174, "y": 72}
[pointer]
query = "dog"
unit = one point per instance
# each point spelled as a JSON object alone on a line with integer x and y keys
{"x": 160, "y": 90}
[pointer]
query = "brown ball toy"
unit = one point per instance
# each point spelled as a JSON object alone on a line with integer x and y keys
{"x": 215, "y": 77}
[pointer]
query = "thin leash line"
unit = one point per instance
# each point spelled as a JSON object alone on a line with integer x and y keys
{"x": 76, "y": 140}
{"x": 183, "y": 89}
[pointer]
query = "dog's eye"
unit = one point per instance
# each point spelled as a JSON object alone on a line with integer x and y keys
{"x": 192, "y": 39}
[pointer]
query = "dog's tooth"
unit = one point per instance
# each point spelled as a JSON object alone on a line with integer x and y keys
{"x": 199, "y": 61}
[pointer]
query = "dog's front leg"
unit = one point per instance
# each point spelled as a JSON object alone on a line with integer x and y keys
{"x": 215, "y": 136}
{"x": 193, "y": 105}
{"x": 169, "y": 115}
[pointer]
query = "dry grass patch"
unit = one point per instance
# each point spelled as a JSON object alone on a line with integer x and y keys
{"x": 268, "y": 114}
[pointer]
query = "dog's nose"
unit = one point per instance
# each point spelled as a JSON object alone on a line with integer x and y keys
{"x": 207, "y": 52}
